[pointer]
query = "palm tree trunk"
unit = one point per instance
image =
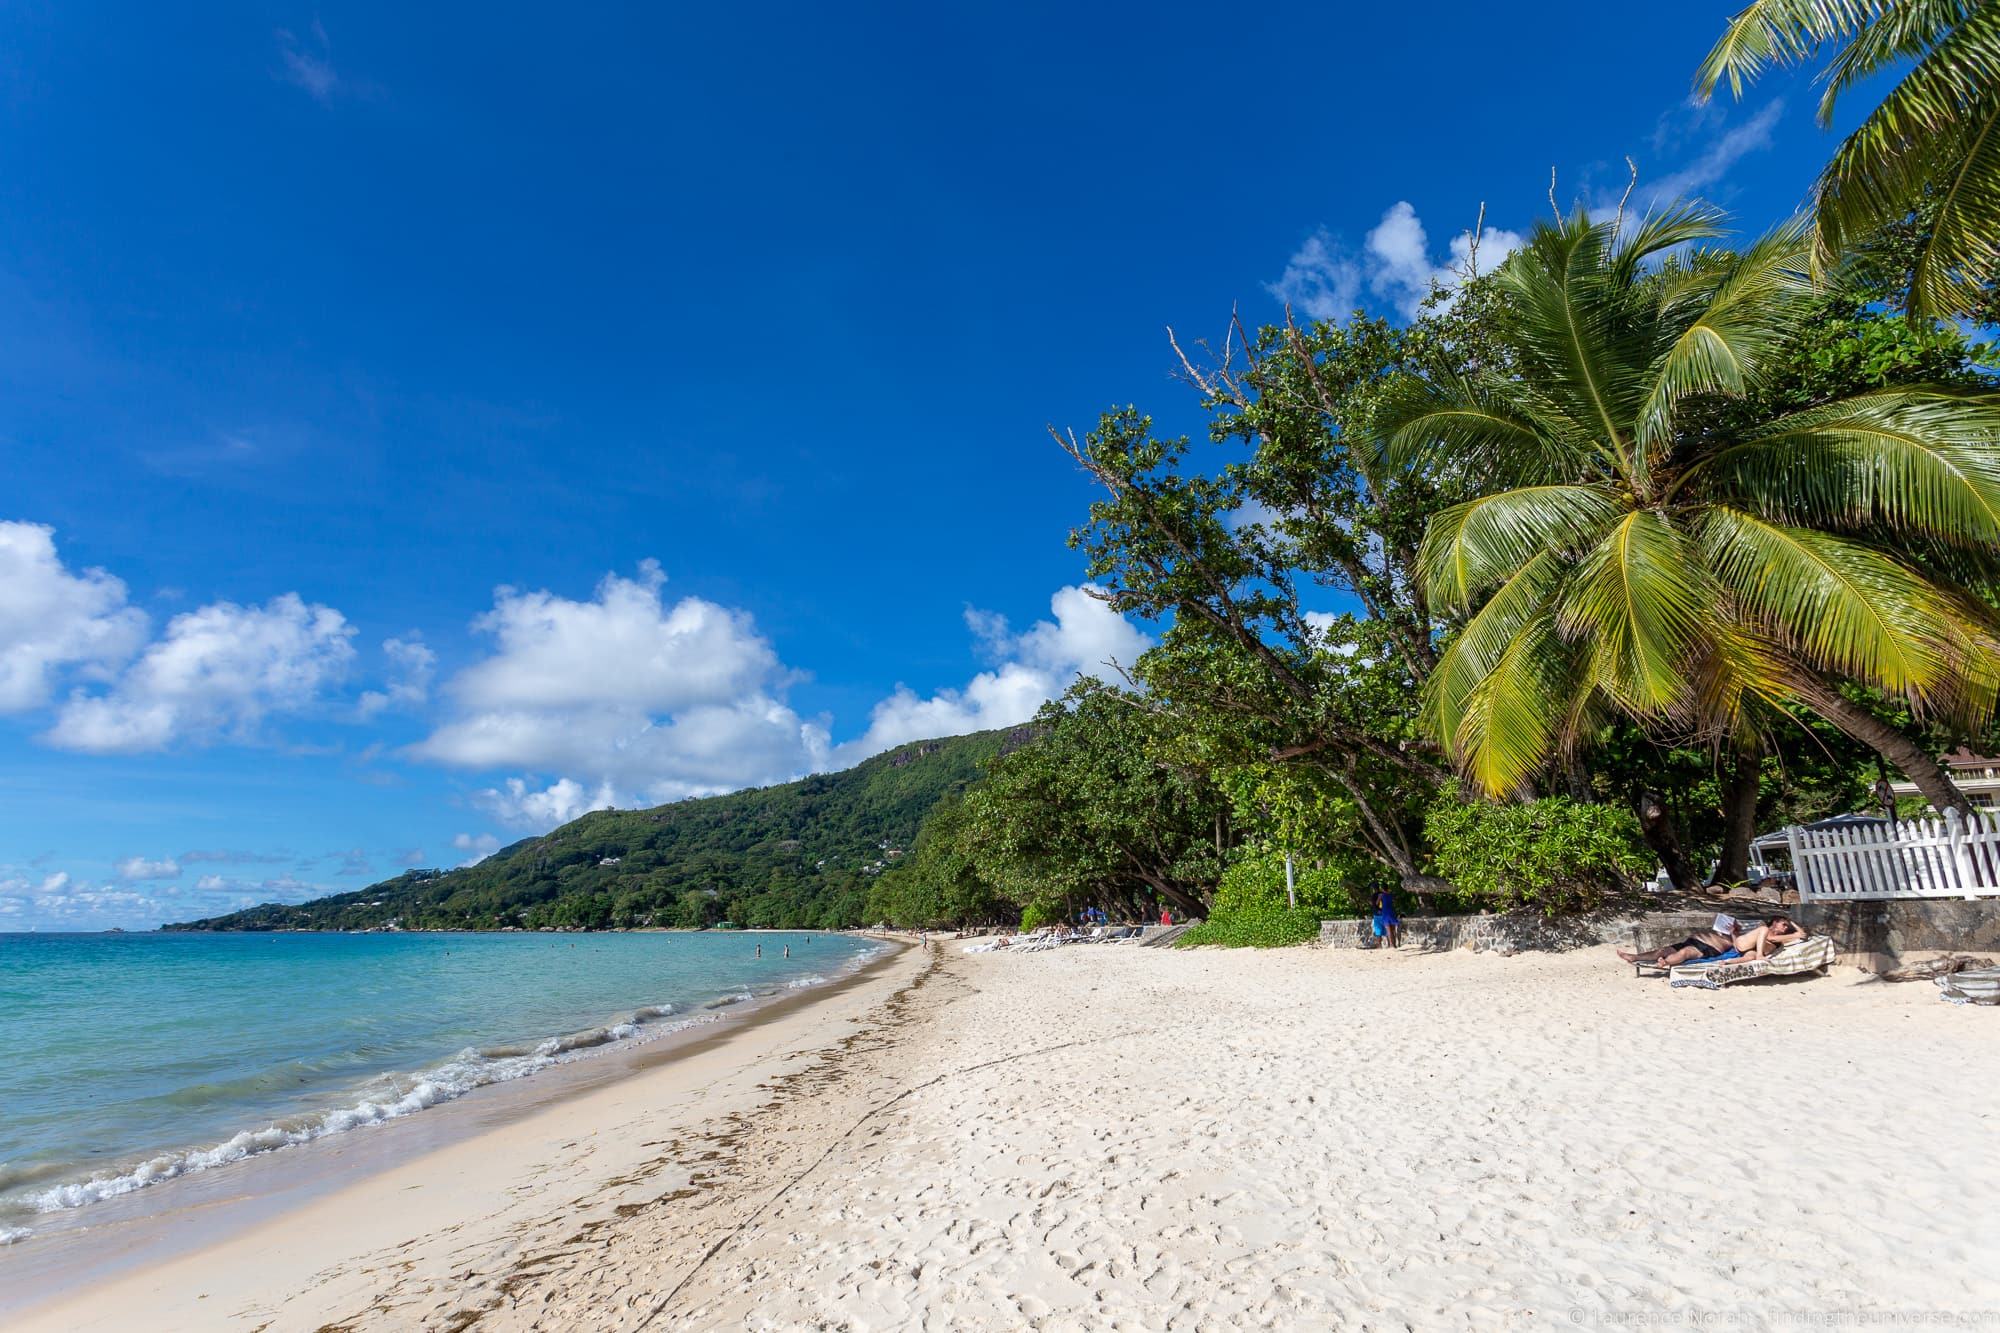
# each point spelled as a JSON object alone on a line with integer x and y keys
{"x": 1739, "y": 815}
{"x": 1910, "y": 758}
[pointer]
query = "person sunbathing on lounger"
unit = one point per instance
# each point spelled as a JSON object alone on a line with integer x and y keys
{"x": 1702, "y": 945}
{"x": 1767, "y": 939}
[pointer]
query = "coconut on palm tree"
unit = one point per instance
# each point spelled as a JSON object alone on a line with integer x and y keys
{"x": 1647, "y": 541}
{"x": 1933, "y": 143}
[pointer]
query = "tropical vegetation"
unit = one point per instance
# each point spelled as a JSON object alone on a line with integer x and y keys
{"x": 1931, "y": 146}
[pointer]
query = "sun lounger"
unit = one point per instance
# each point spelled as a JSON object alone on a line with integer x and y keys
{"x": 1814, "y": 954}
{"x": 1977, "y": 986}
{"x": 1645, "y": 969}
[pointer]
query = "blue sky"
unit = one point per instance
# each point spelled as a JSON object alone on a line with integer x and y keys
{"x": 419, "y": 424}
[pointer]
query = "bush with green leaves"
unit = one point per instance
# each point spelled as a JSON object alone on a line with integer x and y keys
{"x": 1251, "y": 910}
{"x": 1555, "y": 855}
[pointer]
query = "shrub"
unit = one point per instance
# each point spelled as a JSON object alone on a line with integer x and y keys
{"x": 1250, "y": 910}
{"x": 1257, "y": 926}
{"x": 1555, "y": 854}
{"x": 1034, "y": 914}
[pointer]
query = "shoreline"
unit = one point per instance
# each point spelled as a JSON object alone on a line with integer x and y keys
{"x": 78, "y": 1196}
{"x": 1105, "y": 1137}
{"x": 173, "y": 1222}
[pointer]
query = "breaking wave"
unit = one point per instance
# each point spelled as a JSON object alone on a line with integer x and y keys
{"x": 389, "y": 1097}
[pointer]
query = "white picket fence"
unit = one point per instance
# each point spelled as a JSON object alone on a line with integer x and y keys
{"x": 1951, "y": 857}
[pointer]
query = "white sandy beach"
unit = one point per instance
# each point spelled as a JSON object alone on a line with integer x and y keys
{"x": 1105, "y": 1137}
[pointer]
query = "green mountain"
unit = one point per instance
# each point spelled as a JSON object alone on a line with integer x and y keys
{"x": 800, "y": 854}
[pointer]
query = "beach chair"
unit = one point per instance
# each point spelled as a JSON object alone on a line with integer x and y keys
{"x": 1813, "y": 954}
{"x": 1976, "y": 986}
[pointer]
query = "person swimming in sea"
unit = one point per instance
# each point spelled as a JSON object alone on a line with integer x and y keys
{"x": 788, "y": 951}
{"x": 760, "y": 949}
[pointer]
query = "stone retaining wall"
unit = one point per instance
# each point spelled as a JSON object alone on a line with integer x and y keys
{"x": 1906, "y": 925}
{"x": 1862, "y": 931}
{"x": 1511, "y": 933}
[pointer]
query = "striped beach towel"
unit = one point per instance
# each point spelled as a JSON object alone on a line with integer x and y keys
{"x": 1971, "y": 987}
{"x": 1806, "y": 955}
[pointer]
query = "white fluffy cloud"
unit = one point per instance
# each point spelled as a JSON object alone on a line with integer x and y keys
{"x": 1031, "y": 667}
{"x": 1401, "y": 267}
{"x": 620, "y": 694}
{"x": 623, "y": 647}
{"x": 133, "y": 898}
{"x": 52, "y": 619}
{"x": 216, "y": 673}
{"x": 518, "y": 803}
{"x": 1323, "y": 280}
{"x": 627, "y": 699}
{"x": 57, "y": 901}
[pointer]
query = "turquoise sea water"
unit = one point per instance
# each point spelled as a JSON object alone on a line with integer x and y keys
{"x": 132, "y": 1059}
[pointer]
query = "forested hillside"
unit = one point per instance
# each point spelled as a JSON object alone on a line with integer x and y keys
{"x": 801, "y": 854}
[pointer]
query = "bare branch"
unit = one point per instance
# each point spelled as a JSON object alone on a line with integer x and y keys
{"x": 1618, "y": 226}
{"x": 1472, "y": 247}
{"x": 1249, "y": 348}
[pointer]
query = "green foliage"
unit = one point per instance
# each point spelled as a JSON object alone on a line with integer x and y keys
{"x": 1092, "y": 812}
{"x": 1929, "y": 144}
{"x": 941, "y": 883}
{"x": 802, "y": 854}
{"x": 1675, "y": 522}
{"x": 1555, "y": 854}
{"x": 1255, "y": 926}
{"x": 1251, "y": 909}
{"x": 1035, "y": 915}
{"x": 1243, "y": 544}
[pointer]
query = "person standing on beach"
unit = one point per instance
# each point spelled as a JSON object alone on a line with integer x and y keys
{"x": 1388, "y": 926}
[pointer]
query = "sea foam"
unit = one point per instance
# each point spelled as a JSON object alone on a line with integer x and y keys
{"x": 389, "y": 1098}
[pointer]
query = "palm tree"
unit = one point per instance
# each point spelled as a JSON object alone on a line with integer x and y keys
{"x": 1645, "y": 542}
{"x": 1933, "y": 142}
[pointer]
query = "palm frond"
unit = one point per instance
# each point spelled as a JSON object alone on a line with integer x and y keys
{"x": 1904, "y": 31}
{"x": 1480, "y": 643}
{"x": 1642, "y": 602}
{"x": 1514, "y": 719}
{"x": 1936, "y": 131}
{"x": 1780, "y": 32}
{"x": 1657, "y": 234}
{"x": 1920, "y": 462}
{"x": 1737, "y": 325}
{"x": 1839, "y": 605}
{"x": 1460, "y": 423}
{"x": 1572, "y": 326}
{"x": 1962, "y": 251}
{"x": 1471, "y": 546}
